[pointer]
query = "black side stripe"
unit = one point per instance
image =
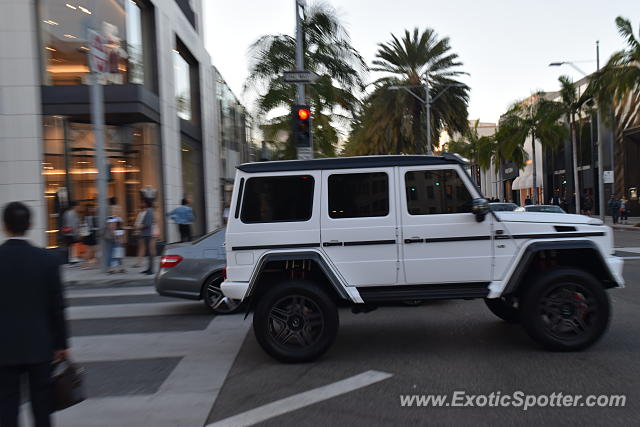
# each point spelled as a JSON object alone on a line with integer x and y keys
{"x": 291, "y": 245}
{"x": 558, "y": 235}
{"x": 456, "y": 239}
{"x": 370, "y": 242}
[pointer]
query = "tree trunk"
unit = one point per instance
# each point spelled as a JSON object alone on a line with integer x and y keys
{"x": 535, "y": 167}
{"x": 576, "y": 183}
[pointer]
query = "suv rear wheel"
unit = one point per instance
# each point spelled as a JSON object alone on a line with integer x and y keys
{"x": 505, "y": 308}
{"x": 565, "y": 310}
{"x": 295, "y": 321}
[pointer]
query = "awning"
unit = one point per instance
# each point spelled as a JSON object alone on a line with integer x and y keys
{"x": 524, "y": 182}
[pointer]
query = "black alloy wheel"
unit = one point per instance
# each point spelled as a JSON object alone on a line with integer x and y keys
{"x": 215, "y": 300}
{"x": 566, "y": 310}
{"x": 295, "y": 321}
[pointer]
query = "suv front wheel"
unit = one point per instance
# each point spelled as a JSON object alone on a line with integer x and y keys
{"x": 295, "y": 321}
{"x": 565, "y": 310}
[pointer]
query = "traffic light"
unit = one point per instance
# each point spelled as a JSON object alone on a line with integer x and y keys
{"x": 301, "y": 122}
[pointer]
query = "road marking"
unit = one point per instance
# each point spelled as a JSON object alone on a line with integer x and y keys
{"x": 113, "y": 292}
{"x": 185, "y": 397}
{"x": 298, "y": 401}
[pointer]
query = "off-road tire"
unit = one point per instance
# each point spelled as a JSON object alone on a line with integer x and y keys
{"x": 300, "y": 311}
{"x": 565, "y": 299}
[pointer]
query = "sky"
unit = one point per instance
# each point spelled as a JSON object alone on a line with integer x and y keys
{"x": 505, "y": 45}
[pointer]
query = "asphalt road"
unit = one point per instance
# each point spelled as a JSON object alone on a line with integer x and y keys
{"x": 441, "y": 348}
{"x": 164, "y": 362}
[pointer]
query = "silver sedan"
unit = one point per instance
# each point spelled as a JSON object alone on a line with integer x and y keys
{"x": 195, "y": 271}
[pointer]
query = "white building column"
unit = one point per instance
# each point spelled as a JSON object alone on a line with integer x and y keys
{"x": 20, "y": 113}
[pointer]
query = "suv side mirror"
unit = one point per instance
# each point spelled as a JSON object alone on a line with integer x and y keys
{"x": 480, "y": 208}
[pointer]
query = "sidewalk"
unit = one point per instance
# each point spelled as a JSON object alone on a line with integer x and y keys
{"x": 629, "y": 226}
{"x": 77, "y": 277}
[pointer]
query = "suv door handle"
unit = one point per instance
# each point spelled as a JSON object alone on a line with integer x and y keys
{"x": 332, "y": 243}
{"x": 413, "y": 240}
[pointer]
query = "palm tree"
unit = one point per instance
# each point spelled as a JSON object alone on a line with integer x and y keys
{"x": 536, "y": 117}
{"x": 393, "y": 121}
{"x": 333, "y": 97}
{"x": 621, "y": 74}
{"x": 615, "y": 87}
{"x": 572, "y": 106}
{"x": 478, "y": 149}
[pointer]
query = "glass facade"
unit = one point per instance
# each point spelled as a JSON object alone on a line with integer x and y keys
{"x": 182, "y": 86}
{"x": 64, "y": 40}
{"x": 69, "y": 169}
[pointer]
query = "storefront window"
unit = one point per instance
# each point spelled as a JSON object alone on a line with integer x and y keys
{"x": 64, "y": 40}
{"x": 192, "y": 182}
{"x": 182, "y": 85}
{"x": 70, "y": 172}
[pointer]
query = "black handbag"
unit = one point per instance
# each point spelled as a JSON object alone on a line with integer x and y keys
{"x": 67, "y": 385}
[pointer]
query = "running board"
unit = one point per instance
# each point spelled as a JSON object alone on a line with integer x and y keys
{"x": 424, "y": 292}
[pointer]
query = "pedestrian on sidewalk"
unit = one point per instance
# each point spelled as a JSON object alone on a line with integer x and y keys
{"x": 89, "y": 232}
{"x": 71, "y": 231}
{"x": 624, "y": 214}
{"x": 183, "y": 216}
{"x": 587, "y": 204}
{"x": 137, "y": 226}
{"x": 614, "y": 208}
{"x": 148, "y": 231}
{"x": 33, "y": 329}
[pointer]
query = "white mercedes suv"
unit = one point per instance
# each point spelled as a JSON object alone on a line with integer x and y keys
{"x": 307, "y": 236}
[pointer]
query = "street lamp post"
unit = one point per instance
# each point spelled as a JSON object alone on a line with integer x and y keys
{"x": 601, "y": 197}
{"x": 427, "y": 102}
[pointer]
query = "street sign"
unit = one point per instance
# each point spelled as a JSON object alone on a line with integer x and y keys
{"x": 300, "y": 76}
{"x": 607, "y": 177}
{"x": 98, "y": 57}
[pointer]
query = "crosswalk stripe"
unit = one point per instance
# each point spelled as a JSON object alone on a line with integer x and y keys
{"x": 113, "y": 311}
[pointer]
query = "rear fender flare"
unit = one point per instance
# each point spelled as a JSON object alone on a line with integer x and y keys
{"x": 331, "y": 276}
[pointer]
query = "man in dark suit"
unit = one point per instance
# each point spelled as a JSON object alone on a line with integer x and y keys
{"x": 32, "y": 322}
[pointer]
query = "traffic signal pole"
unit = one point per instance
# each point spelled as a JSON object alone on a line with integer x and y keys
{"x": 302, "y": 153}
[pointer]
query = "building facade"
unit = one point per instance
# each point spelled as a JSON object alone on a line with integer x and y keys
{"x": 234, "y": 133}
{"x": 161, "y": 136}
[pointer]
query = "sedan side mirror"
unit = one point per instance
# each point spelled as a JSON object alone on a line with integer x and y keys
{"x": 480, "y": 208}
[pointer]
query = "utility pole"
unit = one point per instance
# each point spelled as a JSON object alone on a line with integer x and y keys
{"x": 601, "y": 196}
{"x": 303, "y": 152}
{"x": 427, "y": 106}
{"x": 97, "y": 117}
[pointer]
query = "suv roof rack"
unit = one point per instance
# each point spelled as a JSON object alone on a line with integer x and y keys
{"x": 351, "y": 162}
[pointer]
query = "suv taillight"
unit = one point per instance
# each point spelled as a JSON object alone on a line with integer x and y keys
{"x": 168, "y": 261}
{"x": 224, "y": 273}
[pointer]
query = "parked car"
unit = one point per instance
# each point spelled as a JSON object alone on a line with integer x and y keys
{"x": 195, "y": 270}
{"x": 503, "y": 207}
{"x": 308, "y": 236}
{"x": 541, "y": 208}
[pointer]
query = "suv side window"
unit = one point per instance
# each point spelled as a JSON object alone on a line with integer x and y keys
{"x": 357, "y": 195}
{"x": 432, "y": 192}
{"x": 277, "y": 199}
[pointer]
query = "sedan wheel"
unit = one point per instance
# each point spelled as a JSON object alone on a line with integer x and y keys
{"x": 215, "y": 300}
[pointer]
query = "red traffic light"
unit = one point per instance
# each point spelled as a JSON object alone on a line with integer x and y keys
{"x": 304, "y": 113}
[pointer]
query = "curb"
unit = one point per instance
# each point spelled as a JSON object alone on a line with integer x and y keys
{"x": 110, "y": 283}
{"x": 624, "y": 227}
